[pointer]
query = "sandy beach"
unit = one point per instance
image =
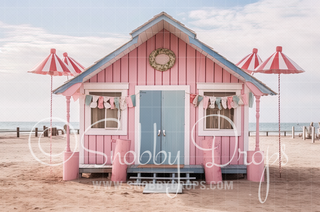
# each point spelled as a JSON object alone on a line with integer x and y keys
{"x": 28, "y": 185}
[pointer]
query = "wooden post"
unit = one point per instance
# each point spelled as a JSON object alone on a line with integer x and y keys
{"x": 249, "y": 133}
{"x": 45, "y": 132}
{"x": 257, "y": 122}
{"x": 267, "y": 133}
{"x": 18, "y": 132}
{"x": 313, "y": 135}
{"x": 293, "y": 135}
{"x": 68, "y": 121}
{"x": 285, "y": 133}
{"x": 36, "y": 132}
{"x": 304, "y": 133}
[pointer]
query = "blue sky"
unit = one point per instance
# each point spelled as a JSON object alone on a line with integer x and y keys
{"x": 89, "y": 30}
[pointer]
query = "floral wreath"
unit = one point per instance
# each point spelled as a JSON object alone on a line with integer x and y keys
{"x": 162, "y": 67}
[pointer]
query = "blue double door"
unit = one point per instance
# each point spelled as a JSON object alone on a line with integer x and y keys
{"x": 162, "y": 119}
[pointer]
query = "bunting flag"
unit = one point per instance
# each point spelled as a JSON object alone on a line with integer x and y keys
{"x": 226, "y": 102}
{"x": 121, "y": 103}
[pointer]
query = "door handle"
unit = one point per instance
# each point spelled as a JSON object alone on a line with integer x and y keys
{"x": 164, "y": 133}
{"x": 159, "y": 132}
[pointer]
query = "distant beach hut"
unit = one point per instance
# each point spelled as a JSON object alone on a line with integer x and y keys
{"x": 279, "y": 63}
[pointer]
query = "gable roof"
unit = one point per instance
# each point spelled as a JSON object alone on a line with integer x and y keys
{"x": 149, "y": 29}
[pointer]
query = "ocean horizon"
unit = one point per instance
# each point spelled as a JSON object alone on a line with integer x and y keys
{"x": 264, "y": 126}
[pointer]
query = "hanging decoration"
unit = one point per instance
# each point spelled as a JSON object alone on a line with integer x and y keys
{"x": 162, "y": 59}
{"x": 226, "y": 102}
{"x": 121, "y": 103}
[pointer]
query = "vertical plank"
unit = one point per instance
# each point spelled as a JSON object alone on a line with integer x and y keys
{"x": 159, "y": 44}
{"x": 209, "y": 70}
{"x": 234, "y": 79}
{"x": 232, "y": 147}
{"x": 218, "y": 145}
{"x": 142, "y": 62}
{"x": 132, "y": 84}
{"x": 109, "y": 74}
{"x": 217, "y": 73}
{"x": 100, "y": 149}
{"x": 174, "y": 70}
{"x": 92, "y": 146}
{"x": 151, "y": 45}
{"x": 225, "y": 148}
{"x": 107, "y": 148}
{"x": 101, "y": 76}
{"x": 191, "y": 80}
{"x": 182, "y": 62}
{"x": 166, "y": 74}
{"x": 116, "y": 71}
{"x": 86, "y": 153}
{"x": 200, "y": 77}
{"x": 113, "y": 148}
{"x": 124, "y": 69}
{"x": 225, "y": 76}
{"x": 94, "y": 78}
{"x": 201, "y": 67}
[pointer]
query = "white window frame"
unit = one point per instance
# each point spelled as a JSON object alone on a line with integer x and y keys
{"x": 219, "y": 87}
{"x": 106, "y": 87}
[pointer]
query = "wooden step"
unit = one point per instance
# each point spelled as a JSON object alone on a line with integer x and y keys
{"x": 164, "y": 178}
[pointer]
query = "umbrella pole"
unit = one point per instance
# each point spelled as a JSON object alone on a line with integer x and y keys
{"x": 51, "y": 119}
{"x": 279, "y": 124}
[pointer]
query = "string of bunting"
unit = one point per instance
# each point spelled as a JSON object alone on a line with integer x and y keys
{"x": 121, "y": 103}
{"x": 226, "y": 102}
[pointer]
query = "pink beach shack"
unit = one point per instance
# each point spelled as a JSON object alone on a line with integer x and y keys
{"x": 165, "y": 93}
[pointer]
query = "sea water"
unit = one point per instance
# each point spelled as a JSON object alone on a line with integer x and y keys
{"x": 284, "y": 126}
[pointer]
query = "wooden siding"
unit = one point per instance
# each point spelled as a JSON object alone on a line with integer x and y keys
{"x": 191, "y": 67}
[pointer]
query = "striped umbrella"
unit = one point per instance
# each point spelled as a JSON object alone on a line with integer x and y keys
{"x": 279, "y": 63}
{"x": 250, "y": 62}
{"x": 52, "y": 66}
{"x": 72, "y": 64}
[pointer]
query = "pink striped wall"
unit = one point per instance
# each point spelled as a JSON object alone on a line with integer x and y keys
{"x": 191, "y": 67}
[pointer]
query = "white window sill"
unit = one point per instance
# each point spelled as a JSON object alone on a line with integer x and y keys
{"x": 219, "y": 132}
{"x": 101, "y": 131}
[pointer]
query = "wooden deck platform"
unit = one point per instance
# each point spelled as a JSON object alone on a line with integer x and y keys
{"x": 196, "y": 169}
{"x": 94, "y": 168}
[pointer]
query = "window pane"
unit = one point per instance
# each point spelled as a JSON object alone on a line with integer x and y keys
{"x": 98, "y": 114}
{"x": 212, "y": 122}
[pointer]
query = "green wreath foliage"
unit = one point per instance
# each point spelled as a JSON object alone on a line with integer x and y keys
{"x": 160, "y": 67}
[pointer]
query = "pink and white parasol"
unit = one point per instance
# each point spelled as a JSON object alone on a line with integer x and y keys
{"x": 250, "y": 62}
{"x": 52, "y": 66}
{"x": 73, "y": 65}
{"x": 279, "y": 63}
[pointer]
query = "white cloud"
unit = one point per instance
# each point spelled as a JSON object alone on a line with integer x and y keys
{"x": 292, "y": 24}
{"x": 232, "y": 32}
{"x": 22, "y": 48}
{"x": 25, "y": 46}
